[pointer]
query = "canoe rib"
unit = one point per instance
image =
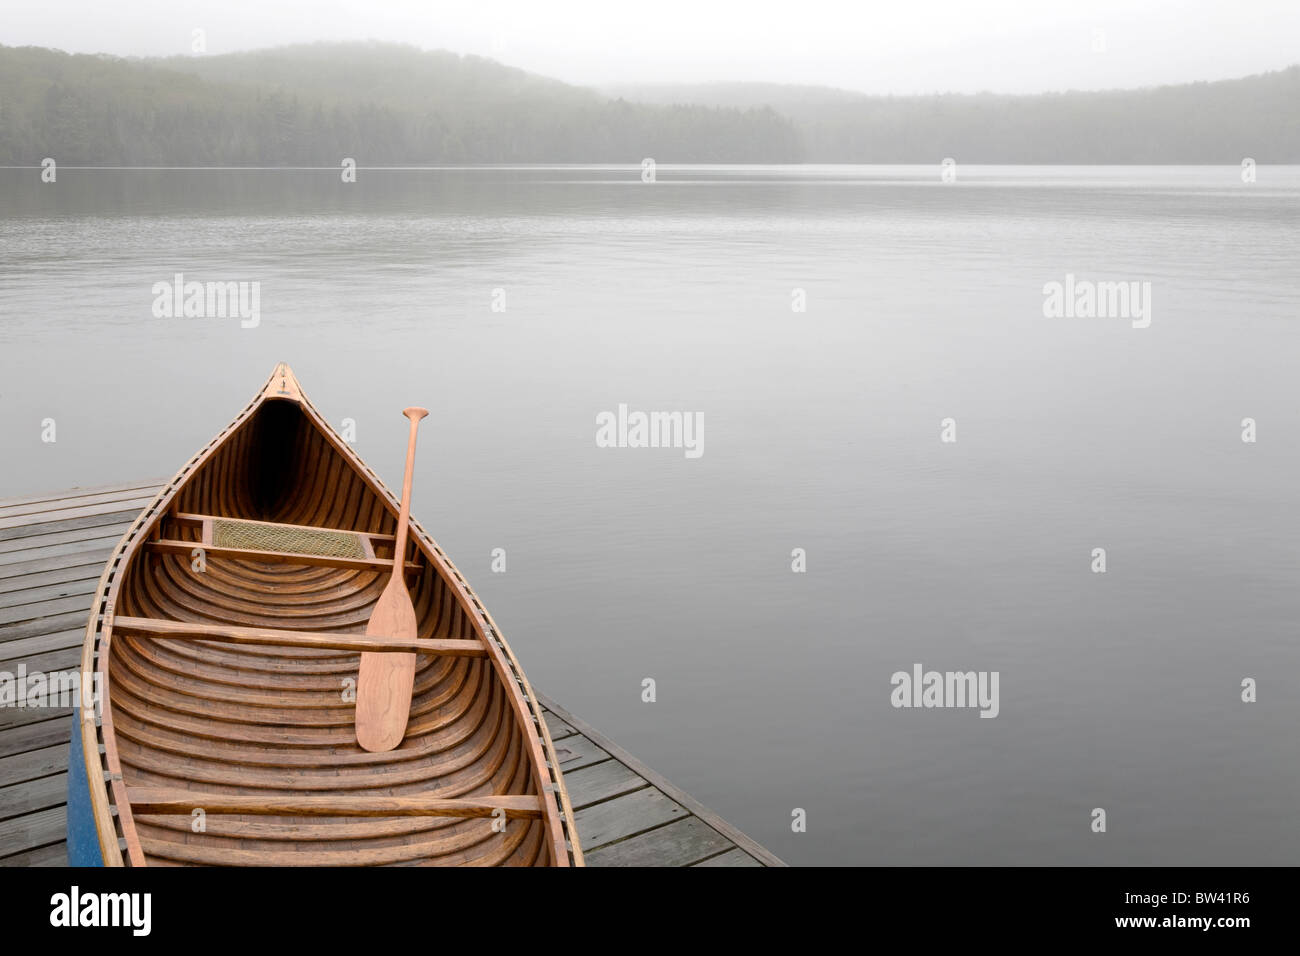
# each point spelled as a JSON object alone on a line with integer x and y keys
{"x": 170, "y": 644}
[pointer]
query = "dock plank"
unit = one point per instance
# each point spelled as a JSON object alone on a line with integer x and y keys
{"x": 35, "y": 736}
{"x": 45, "y": 625}
{"x": 105, "y": 501}
{"x": 149, "y": 487}
{"x": 50, "y": 591}
{"x": 82, "y": 559}
{"x": 576, "y": 752}
{"x": 625, "y": 816}
{"x": 40, "y": 610}
{"x": 33, "y": 830}
{"x": 30, "y": 537}
{"x": 32, "y": 795}
{"x": 558, "y": 728}
{"x": 62, "y": 659}
{"x": 599, "y": 782}
{"x": 56, "y": 854}
{"x": 735, "y": 857}
{"x": 11, "y": 717}
{"x": 74, "y": 511}
{"x": 25, "y": 647}
{"x": 33, "y": 764}
{"x": 72, "y": 575}
{"x": 10, "y": 530}
{"x": 33, "y": 549}
{"x": 678, "y": 844}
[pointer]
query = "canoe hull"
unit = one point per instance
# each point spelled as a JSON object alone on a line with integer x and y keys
{"x": 83, "y": 837}
{"x": 224, "y": 634}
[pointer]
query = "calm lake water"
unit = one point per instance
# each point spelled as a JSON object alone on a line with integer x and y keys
{"x": 924, "y": 301}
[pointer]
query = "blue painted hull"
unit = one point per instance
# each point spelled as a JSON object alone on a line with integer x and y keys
{"x": 83, "y": 838}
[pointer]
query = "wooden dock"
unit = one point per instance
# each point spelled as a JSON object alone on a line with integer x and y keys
{"x": 52, "y": 551}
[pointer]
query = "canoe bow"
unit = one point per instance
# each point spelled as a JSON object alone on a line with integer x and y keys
{"x": 289, "y": 528}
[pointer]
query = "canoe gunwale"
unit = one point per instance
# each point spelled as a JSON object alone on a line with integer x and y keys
{"x": 107, "y": 789}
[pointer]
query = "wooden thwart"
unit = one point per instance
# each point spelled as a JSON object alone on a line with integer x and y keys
{"x": 171, "y": 546}
{"x": 234, "y": 634}
{"x": 161, "y": 800}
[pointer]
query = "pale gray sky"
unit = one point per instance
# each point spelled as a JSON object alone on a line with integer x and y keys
{"x": 877, "y": 46}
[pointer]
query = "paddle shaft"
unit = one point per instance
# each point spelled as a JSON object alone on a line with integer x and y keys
{"x": 404, "y": 514}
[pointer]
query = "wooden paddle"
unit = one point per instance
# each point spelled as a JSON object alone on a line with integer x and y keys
{"x": 387, "y": 678}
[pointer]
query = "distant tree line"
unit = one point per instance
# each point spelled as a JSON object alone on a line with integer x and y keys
{"x": 383, "y": 104}
{"x": 90, "y": 110}
{"x": 1196, "y": 123}
{"x": 1220, "y": 122}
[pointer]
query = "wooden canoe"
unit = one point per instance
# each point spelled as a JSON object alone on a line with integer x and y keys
{"x": 226, "y": 634}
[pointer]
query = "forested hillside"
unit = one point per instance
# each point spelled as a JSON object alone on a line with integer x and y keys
{"x": 386, "y": 104}
{"x": 1220, "y": 122}
{"x": 380, "y": 104}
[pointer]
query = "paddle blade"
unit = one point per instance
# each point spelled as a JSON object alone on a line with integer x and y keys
{"x": 386, "y": 678}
